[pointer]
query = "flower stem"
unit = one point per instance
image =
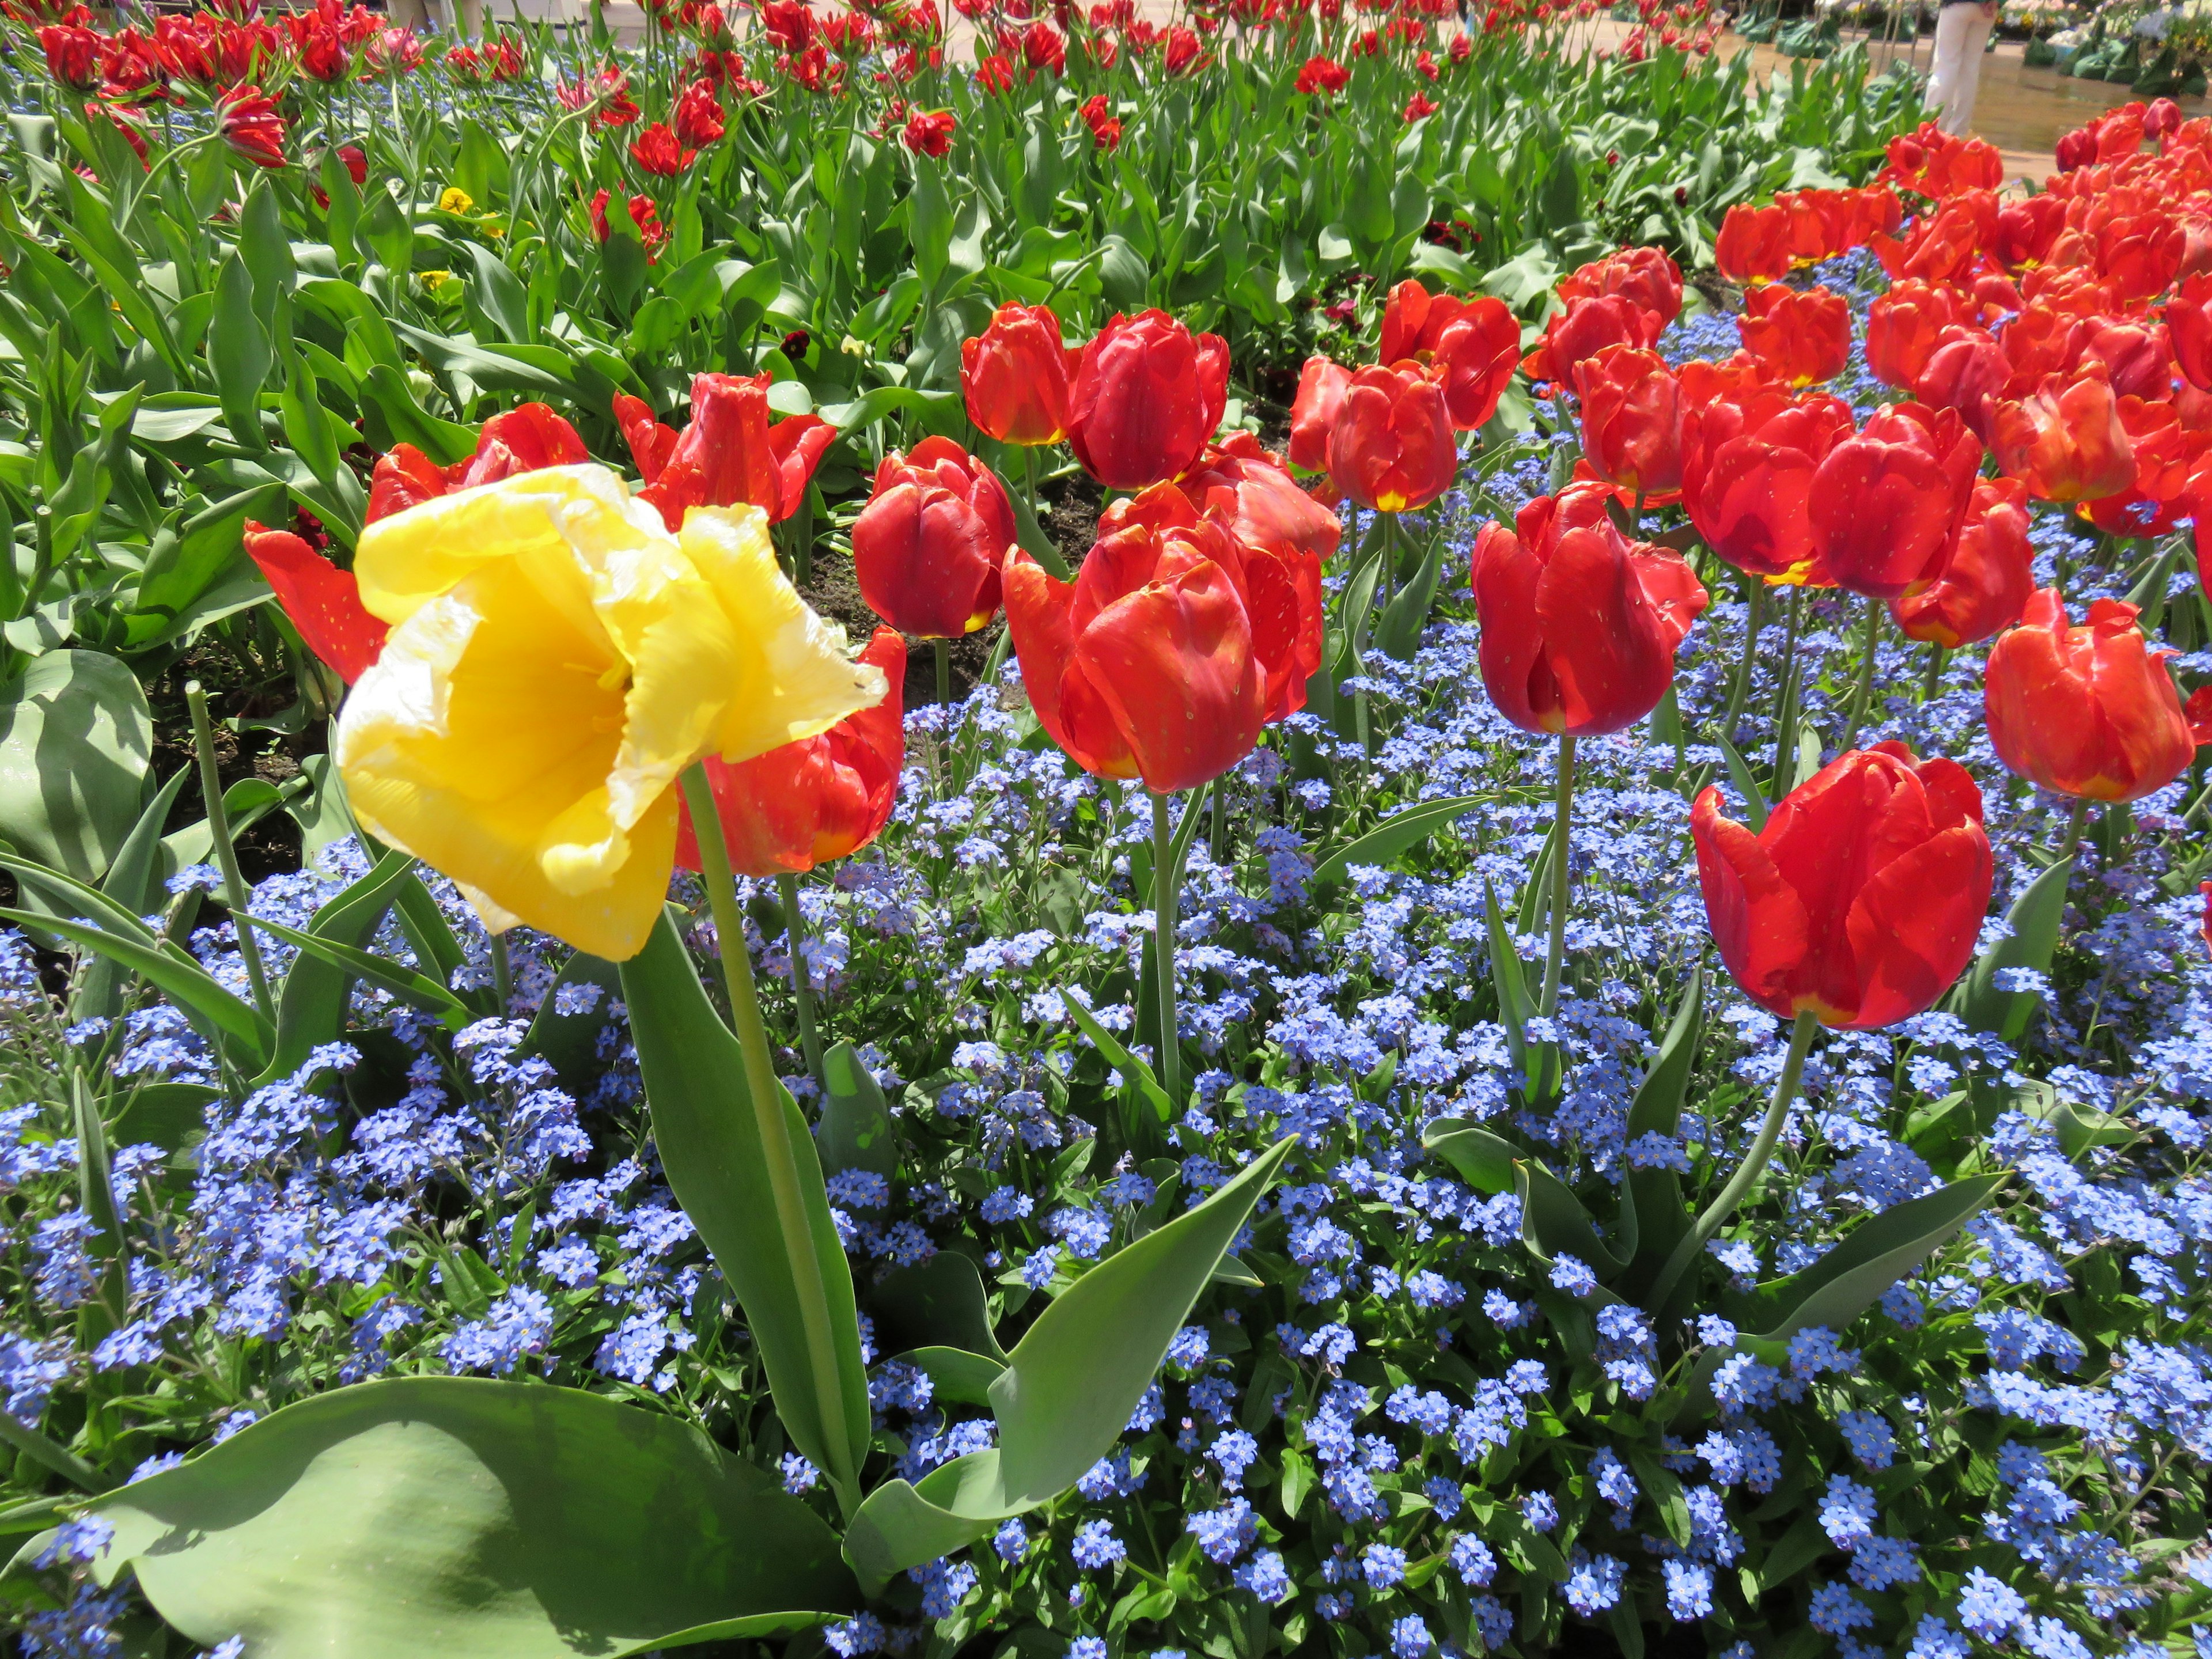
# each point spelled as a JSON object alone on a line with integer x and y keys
{"x": 1562, "y": 881}
{"x": 1165, "y": 879}
{"x": 2075, "y": 822}
{"x": 502, "y": 973}
{"x": 1862, "y": 694}
{"x": 1938, "y": 658}
{"x": 770, "y": 1119}
{"x": 944, "y": 670}
{"x": 1740, "y": 691}
{"x": 1753, "y": 1165}
{"x": 1785, "y": 740}
{"x": 794, "y": 933}
{"x": 234, "y": 895}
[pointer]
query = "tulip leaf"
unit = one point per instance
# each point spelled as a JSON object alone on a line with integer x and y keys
{"x": 1395, "y": 835}
{"x": 857, "y": 1132}
{"x": 404, "y": 983}
{"x": 238, "y": 348}
{"x": 956, "y": 1374}
{"x": 76, "y": 741}
{"x": 1553, "y": 1222}
{"x": 1739, "y": 775}
{"x": 446, "y": 1515}
{"x": 310, "y": 1009}
{"x": 569, "y": 1041}
{"x": 939, "y": 1303}
{"x": 1536, "y": 891}
{"x": 1513, "y": 1006}
{"x": 1399, "y": 632}
{"x": 133, "y": 881}
{"x": 1653, "y": 1218}
{"x": 1135, "y": 1074}
{"x": 168, "y": 969}
{"x": 1484, "y": 1161}
{"x": 717, "y": 1161}
{"x": 1033, "y": 540}
{"x": 2033, "y": 923}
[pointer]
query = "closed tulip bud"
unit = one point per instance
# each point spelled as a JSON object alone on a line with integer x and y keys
{"x": 1985, "y": 582}
{"x": 250, "y": 126}
{"x": 1015, "y": 376}
{"x": 1802, "y": 338}
{"x": 1861, "y": 899}
{"x": 2063, "y": 441}
{"x": 319, "y": 599}
{"x": 1391, "y": 447}
{"x": 1748, "y": 462}
{"x": 2189, "y": 327}
{"x": 1471, "y": 345}
{"x": 1321, "y": 383}
{"x": 1631, "y": 421}
{"x": 1147, "y": 394}
{"x": 1753, "y": 244}
{"x": 1887, "y": 502}
{"x": 2090, "y": 711}
{"x": 1902, "y": 326}
{"x": 928, "y": 548}
{"x": 1579, "y": 625}
{"x": 729, "y": 455}
{"x": 1171, "y": 648}
{"x": 822, "y": 798}
{"x": 1585, "y": 328}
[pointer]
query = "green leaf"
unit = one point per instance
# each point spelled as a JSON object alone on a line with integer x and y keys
{"x": 311, "y": 1008}
{"x": 76, "y": 741}
{"x": 133, "y": 881}
{"x": 570, "y": 1042}
{"x": 1740, "y": 774}
{"x": 443, "y": 1515}
{"x": 716, "y": 1160}
{"x": 501, "y": 294}
{"x": 383, "y": 391}
{"x": 1399, "y": 634}
{"x": 939, "y": 1303}
{"x": 238, "y": 348}
{"x": 857, "y": 1132}
{"x": 186, "y": 565}
{"x": 956, "y": 1374}
{"x": 2033, "y": 921}
{"x": 1395, "y": 835}
{"x": 1135, "y": 1074}
{"x": 1484, "y": 1161}
{"x": 1553, "y": 1222}
{"x": 169, "y": 970}
{"x": 403, "y": 982}
{"x": 1653, "y": 1215}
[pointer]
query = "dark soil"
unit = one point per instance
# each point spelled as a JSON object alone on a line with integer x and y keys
{"x": 238, "y": 688}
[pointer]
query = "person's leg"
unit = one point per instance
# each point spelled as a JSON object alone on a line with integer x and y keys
{"x": 1944, "y": 61}
{"x": 1958, "y": 112}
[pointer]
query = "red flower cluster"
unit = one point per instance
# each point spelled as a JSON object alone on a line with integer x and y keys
{"x": 1801, "y": 227}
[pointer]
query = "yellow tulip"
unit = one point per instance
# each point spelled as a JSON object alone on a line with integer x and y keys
{"x": 557, "y": 658}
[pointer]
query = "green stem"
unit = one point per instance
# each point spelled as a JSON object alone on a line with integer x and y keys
{"x": 1862, "y": 694}
{"x": 234, "y": 895}
{"x": 1785, "y": 740}
{"x": 1165, "y": 880}
{"x": 1562, "y": 811}
{"x": 1753, "y": 1165}
{"x": 2075, "y": 822}
{"x": 765, "y": 1094}
{"x": 43, "y": 1448}
{"x": 794, "y": 933}
{"x": 1937, "y": 657}
{"x": 502, "y": 974}
{"x": 1739, "y": 692}
{"x": 944, "y": 670}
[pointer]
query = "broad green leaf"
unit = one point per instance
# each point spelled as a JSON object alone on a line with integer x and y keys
{"x": 1394, "y": 836}
{"x": 939, "y": 1303}
{"x": 186, "y": 564}
{"x": 2033, "y": 921}
{"x": 1740, "y": 774}
{"x": 403, "y": 982}
{"x": 1399, "y": 632}
{"x": 238, "y": 348}
{"x": 958, "y": 1375}
{"x": 857, "y": 1132}
{"x": 1484, "y": 1161}
{"x": 1513, "y": 1006}
{"x": 133, "y": 881}
{"x": 76, "y": 741}
{"x": 250, "y": 1037}
{"x": 570, "y": 1041}
{"x": 442, "y": 1514}
{"x": 1553, "y": 1222}
{"x": 1653, "y": 1215}
{"x": 1135, "y": 1074}
{"x": 716, "y": 1159}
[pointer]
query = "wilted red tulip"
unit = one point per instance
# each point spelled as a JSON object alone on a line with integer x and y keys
{"x": 1473, "y": 346}
{"x": 1322, "y": 386}
{"x": 1984, "y": 584}
{"x": 1631, "y": 421}
{"x": 820, "y": 799}
{"x": 1862, "y": 899}
{"x": 1800, "y": 339}
{"x": 729, "y": 455}
{"x": 1886, "y": 501}
{"x": 2063, "y": 441}
{"x": 1170, "y": 649}
{"x": 2090, "y": 711}
{"x": 522, "y": 440}
{"x": 1748, "y": 462}
{"x": 1391, "y": 445}
{"x": 323, "y": 602}
{"x": 1579, "y": 626}
{"x": 1902, "y": 326}
{"x": 928, "y": 547}
{"x": 1753, "y": 244}
{"x": 250, "y": 126}
{"x": 1585, "y": 328}
{"x": 1146, "y": 396}
{"x": 1250, "y": 492}
{"x": 1015, "y": 376}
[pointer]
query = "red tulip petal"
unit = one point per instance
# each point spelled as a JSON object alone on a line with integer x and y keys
{"x": 1758, "y": 922}
{"x": 323, "y": 601}
{"x": 1914, "y": 925}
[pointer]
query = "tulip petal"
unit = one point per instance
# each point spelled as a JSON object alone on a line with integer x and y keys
{"x": 1758, "y": 922}
{"x": 1604, "y": 643}
{"x": 323, "y": 601}
{"x": 1914, "y": 925}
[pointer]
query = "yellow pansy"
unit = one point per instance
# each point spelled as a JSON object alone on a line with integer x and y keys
{"x": 454, "y": 199}
{"x": 557, "y": 658}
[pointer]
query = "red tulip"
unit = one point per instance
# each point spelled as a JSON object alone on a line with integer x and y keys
{"x": 1647, "y": 278}
{"x": 1799, "y": 337}
{"x": 1391, "y": 445}
{"x": 2090, "y": 711}
{"x": 1862, "y": 899}
{"x": 1322, "y": 386}
{"x": 72, "y": 55}
{"x": 729, "y": 455}
{"x": 1985, "y": 582}
{"x": 1887, "y": 502}
{"x": 1147, "y": 395}
{"x": 928, "y": 547}
{"x": 2189, "y": 326}
{"x": 1579, "y": 625}
{"x": 1254, "y": 496}
{"x": 323, "y": 602}
{"x": 1170, "y": 649}
{"x": 1968, "y": 374}
{"x": 1902, "y": 329}
{"x": 1748, "y": 462}
{"x": 2167, "y": 454}
{"x": 1753, "y": 244}
{"x": 699, "y": 118}
{"x": 1631, "y": 421}
{"x": 250, "y": 126}
{"x": 1471, "y": 345}
{"x": 523, "y": 439}
{"x": 2064, "y": 441}
{"x": 643, "y": 213}
{"x": 1015, "y": 376}
{"x": 1585, "y": 328}
{"x": 819, "y": 799}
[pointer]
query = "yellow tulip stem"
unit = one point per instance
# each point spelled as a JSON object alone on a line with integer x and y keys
{"x": 794, "y": 933}
{"x": 234, "y": 895}
{"x": 766, "y": 1094}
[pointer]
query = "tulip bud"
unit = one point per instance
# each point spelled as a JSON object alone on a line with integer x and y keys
{"x": 1579, "y": 626}
{"x": 1147, "y": 396}
{"x": 1885, "y": 502}
{"x": 1631, "y": 421}
{"x": 2064, "y": 441}
{"x": 1647, "y": 278}
{"x": 1861, "y": 899}
{"x": 1585, "y": 328}
{"x": 2090, "y": 711}
{"x": 1986, "y": 581}
{"x": 729, "y": 455}
{"x": 1015, "y": 376}
{"x": 1753, "y": 244}
{"x": 1391, "y": 447}
{"x": 928, "y": 547}
{"x": 1801, "y": 338}
{"x": 1902, "y": 330}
